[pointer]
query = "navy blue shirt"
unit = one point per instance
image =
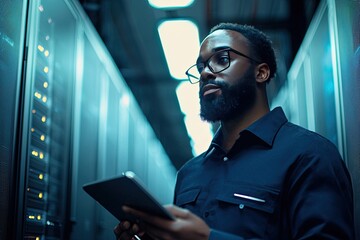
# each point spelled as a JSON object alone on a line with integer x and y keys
{"x": 278, "y": 181}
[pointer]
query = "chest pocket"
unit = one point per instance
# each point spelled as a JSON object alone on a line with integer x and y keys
{"x": 260, "y": 199}
{"x": 189, "y": 199}
{"x": 246, "y": 208}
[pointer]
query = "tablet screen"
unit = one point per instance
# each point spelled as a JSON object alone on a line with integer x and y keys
{"x": 126, "y": 189}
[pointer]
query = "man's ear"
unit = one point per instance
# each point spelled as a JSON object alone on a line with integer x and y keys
{"x": 262, "y": 73}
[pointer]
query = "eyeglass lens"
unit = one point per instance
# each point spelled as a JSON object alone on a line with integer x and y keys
{"x": 216, "y": 63}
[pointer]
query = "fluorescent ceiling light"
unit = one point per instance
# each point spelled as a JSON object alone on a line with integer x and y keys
{"x": 188, "y": 97}
{"x": 180, "y": 41}
{"x": 199, "y": 131}
{"x": 170, "y": 3}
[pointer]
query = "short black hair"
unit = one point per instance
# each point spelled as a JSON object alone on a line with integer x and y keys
{"x": 259, "y": 41}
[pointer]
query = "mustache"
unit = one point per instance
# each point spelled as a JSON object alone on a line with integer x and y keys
{"x": 219, "y": 84}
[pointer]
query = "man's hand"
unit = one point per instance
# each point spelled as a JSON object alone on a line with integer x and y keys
{"x": 185, "y": 226}
{"x": 127, "y": 231}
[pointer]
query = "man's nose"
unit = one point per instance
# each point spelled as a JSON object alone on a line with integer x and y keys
{"x": 207, "y": 74}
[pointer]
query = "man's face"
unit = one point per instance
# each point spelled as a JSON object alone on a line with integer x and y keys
{"x": 231, "y": 92}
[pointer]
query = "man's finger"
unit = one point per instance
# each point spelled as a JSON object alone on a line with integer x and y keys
{"x": 147, "y": 218}
{"x": 177, "y": 211}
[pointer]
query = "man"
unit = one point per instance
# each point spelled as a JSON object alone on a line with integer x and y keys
{"x": 262, "y": 177}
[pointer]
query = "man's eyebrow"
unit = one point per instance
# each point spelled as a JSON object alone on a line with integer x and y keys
{"x": 214, "y": 50}
{"x": 219, "y": 48}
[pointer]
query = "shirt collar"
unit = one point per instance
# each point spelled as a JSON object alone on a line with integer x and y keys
{"x": 215, "y": 143}
{"x": 267, "y": 127}
{"x": 264, "y": 128}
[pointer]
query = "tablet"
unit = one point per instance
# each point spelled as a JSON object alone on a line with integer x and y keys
{"x": 126, "y": 189}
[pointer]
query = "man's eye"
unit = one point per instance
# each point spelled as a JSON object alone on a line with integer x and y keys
{"x": 224, "y": 59}
{"x": 220, "y": 59}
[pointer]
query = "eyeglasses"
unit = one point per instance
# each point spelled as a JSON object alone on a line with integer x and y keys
{"x": 216, "y": 63}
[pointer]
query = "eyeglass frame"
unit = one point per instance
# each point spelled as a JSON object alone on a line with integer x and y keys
{"x": 206, "y": 63}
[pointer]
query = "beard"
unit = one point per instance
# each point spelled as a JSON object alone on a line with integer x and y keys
{"x": 234, "y": 100}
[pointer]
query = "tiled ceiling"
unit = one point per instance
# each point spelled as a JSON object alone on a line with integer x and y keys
{"x": 129, "y": 30}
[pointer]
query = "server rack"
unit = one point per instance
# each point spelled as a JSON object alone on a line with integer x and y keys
{"x": 12, "y": 34}
{"x": 47, "y": 120}
{"x": 67, "y": 118}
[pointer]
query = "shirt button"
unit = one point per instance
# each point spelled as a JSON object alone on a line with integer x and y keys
{"x": 241, "y": 206}
{"x": 206, "y": 214}
{"x": 225, "y": 159}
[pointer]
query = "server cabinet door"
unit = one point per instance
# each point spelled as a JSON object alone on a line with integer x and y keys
{"x": 50, "y": 77}
{"x": 12, "y": 22}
